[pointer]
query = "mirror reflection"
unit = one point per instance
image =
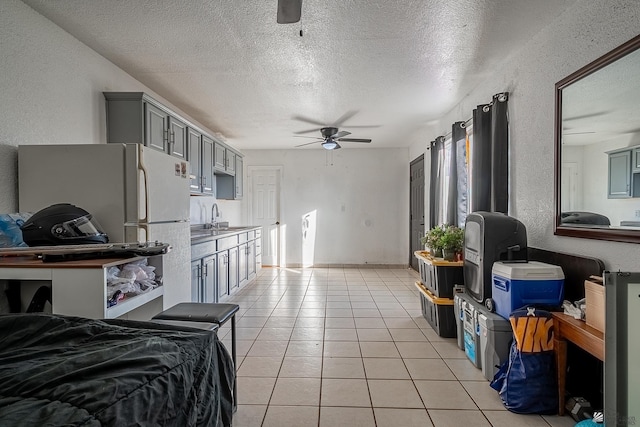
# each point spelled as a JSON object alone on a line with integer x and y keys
{"x": 599, "y": 182}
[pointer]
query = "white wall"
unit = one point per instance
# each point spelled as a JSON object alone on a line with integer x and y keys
{"x": 51, "y": 86}
{"x": 361, "y": 197}
{"x": 581, "y": 34}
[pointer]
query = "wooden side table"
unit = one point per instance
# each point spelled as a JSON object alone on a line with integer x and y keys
{"x": 566, "y": 328}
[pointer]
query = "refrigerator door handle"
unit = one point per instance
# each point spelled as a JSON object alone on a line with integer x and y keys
{"x": 145, "y": 176}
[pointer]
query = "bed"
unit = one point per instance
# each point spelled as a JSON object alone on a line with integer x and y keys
{"x": 58, "y": 370}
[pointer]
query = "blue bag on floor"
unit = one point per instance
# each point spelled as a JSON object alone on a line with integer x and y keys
{"x": 526, "y": 383}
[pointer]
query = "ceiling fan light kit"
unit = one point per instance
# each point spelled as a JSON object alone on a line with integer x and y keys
{"x": 330, "y": 144}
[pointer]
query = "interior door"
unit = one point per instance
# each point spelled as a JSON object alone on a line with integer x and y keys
{"x": 416, "y": 208}
{"x": 264, "y": 209}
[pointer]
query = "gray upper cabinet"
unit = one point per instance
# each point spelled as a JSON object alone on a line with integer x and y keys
{"x": 220, "y": 158}
{"x": 224, "y": 159}
{"x": 156, "y": 128}
{"x": 239, "y": 177}
{"x": 194, "y": 155}
{"x": 135, "y": 117}
{"x": 620, "y": 174}
{"x": 177, "y": 138}
{"x": 200, "y": 156}
{"x": 207, "y": 165}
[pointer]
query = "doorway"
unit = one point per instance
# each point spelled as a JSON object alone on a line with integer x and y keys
{"x": 264, "y": 209}
{"x": 416, "y": 209}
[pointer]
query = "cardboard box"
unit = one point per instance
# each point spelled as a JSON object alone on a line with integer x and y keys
{"x": 594, "y": 295}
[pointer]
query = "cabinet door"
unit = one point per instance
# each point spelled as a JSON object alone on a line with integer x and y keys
{"x": 155, "y": 123}
{"x": 209, "y": 265}
{"x": 251, "y": 260}
{"x": 233, "y": 269}
{"x": 239, "y": 177}
{"x": 223, "y": 274}
{"x": 177, "y": 138}
{"x": 207, "y": 165}
{"x": 636, "y": 160}
{"x": 219, "y": 157}
{"x": 231, "y": 162}
{"x": 620, "y": 175}
{"x": 242, "y": 264}
{"x": 195, "y": 163}
{"x": 196, "y": 281}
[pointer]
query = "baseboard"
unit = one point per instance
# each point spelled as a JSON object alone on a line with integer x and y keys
{"x": 359, "y": 266}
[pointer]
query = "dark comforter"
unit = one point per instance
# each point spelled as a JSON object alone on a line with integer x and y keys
{"x": 57, "y": 370}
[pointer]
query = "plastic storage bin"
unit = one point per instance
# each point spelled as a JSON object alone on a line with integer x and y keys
{"x": 495, "y": 340}
{"x": 458, "y": 314}
{"x": 438, "y": 312}
{"x": 439, "y": 276}
{"x": 471, "y": 331}
{"x": 518, "y": 284}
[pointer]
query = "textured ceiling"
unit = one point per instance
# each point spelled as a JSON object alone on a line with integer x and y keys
{"x": 400, "y": 64}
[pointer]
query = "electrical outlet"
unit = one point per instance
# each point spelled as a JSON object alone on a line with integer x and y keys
{"x": 637, "y": 213}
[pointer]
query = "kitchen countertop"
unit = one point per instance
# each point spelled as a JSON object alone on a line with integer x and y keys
{"x": 201, "y": 235}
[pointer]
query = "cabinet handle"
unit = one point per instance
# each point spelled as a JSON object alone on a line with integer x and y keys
{"x": 206, "y": 270}
{"x": 204, "y": 180}
{"x": 166, "y": 136}
{"x": 199, "y": 271}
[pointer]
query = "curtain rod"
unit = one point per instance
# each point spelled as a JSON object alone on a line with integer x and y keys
{"x": 501, "y": 97}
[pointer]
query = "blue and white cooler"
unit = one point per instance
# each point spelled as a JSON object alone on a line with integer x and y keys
{"x": 517, "y": 284}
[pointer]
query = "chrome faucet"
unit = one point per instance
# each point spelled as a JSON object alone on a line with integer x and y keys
{"x": 214, "y": 218}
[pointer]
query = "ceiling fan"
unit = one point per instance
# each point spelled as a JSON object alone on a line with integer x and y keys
{"x": 289, "y": 11}
{"x": 331, "y": 135}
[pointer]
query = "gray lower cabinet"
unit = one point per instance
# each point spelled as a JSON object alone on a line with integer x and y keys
{"x": 221, "y": 267}
{"x": 243, "y": 277}
{"x": 203, "y": 279}
{"x": 223, "y": 275}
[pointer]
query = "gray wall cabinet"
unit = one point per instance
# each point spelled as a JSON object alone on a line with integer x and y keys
{"x": 620, "y": 176}
{"x": 135, "y": 117}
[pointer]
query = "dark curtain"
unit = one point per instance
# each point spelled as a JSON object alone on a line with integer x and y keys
{"x": 500, "y": 154}
{"x": 459, "y": 173}
{"x": 481, "y": 160}
{"x": 490, "y": 157}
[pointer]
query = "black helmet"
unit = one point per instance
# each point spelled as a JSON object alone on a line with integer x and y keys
{"x": 62, "y": 224}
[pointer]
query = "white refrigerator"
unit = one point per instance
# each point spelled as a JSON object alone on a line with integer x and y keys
{"x": 136, "y": 193}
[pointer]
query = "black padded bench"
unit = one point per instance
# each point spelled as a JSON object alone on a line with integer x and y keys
{"x": 207, "y": 313}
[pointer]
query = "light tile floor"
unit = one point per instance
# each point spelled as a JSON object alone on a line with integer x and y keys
{"x": 349, "y": 347}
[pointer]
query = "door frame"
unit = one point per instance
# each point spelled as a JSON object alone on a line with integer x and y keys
{"x": 280, "y": 171}
{"x": 420, "y": 158}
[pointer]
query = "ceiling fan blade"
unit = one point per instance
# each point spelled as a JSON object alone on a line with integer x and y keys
{"x": 289, "y": 11}
{"x": 346, "y": 116}
{"x": 308, "y": 120}
{"x": 341, "y": 134}
{"x": 301, "y": 136}
{"x": 353, "y": 140}
{"x": 307, "y": 131}
{"x": 585, "y": 116}
{"x": 308, "y": 143}
{"x": 361, "y": 126}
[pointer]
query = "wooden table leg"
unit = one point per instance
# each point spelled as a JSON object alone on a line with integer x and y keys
{"x": 560, "y": 347}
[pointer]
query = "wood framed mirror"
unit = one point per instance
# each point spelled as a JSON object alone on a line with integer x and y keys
{"x": 597, "y": 148}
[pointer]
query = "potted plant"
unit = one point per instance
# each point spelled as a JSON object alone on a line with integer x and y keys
{"x": 452, "y": 241}
{"x": 432, "y": 240}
